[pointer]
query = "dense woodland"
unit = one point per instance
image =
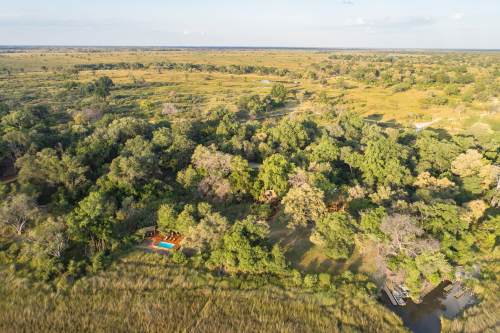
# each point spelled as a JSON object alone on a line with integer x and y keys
{"x": 92, "y": 161}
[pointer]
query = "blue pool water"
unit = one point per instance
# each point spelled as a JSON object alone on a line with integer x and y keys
{"x": 167, "y": 245}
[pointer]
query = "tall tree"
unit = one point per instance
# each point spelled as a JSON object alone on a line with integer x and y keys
{"x": 279, "y": 91}
{"x": 49, "y": 238}
{"x": 303, "y": 204}
{"x": 334, "y": 235}
{"x": 17, "y": 210}
{"x": 406, "y": 235}
{"x": 384, "y": 163}
{"x": 273, "y": 175}
{"x": 92, "y": 221}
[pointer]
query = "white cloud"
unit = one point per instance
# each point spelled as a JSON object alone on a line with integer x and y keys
{"x": 347, "y": 3}
{"x": 193, "y": 32}
{"x": 457, "y": 16}
{"x": 468, "y": 28}
{"x": 8, "y": 16}
{"x": 358, "y": 21}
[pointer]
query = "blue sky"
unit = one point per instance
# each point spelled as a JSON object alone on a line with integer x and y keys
{"x": 291, "y": 23}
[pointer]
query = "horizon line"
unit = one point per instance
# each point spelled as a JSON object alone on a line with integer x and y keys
{"x": 255, "y": 47}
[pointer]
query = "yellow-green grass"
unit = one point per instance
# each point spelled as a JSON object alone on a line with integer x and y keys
{"x": 374, "y": 103}
{"x": 144, "y": 292}
{"x": 305, "y": 255}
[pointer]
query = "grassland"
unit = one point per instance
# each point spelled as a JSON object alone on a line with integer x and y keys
{"x": 372, "y": 102}
{"x": 144, "y": 292}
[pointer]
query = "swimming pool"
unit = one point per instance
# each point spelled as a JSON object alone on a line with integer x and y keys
{"x": 166, "y": 245}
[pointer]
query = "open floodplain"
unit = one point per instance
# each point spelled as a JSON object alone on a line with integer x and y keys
{"x": 203, "y": 189}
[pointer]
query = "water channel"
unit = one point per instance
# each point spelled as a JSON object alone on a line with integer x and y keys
{"x": 425, "y": 317}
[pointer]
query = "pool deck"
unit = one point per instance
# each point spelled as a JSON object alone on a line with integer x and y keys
{"x": 157, "y": 238}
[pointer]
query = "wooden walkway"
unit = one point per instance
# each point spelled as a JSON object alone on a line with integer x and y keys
{"x": 389, "y": 293}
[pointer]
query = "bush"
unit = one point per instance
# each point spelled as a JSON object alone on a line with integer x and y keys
{"x": 434, "y": 279}
{"x": 76, "y": 269}
{"x": 324, "y": 279}
{"x": 98, "y": 261}
{"x": 178, "y": 257}
{"x": 47, "y": 268}
{"x": 311, "y": 280}
{"x": 266, "y": 210}
{"x": 297, "y": 278}
{"x": 347, "y": 275}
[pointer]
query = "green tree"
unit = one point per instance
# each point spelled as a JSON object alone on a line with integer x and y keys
{"x": 242, "y": 247}
{"x": 370, "y": 222}
{"x": 279, "y": 91}
{"x": 240, "y": 177}
{"x": 291, "y": 134}
{"x": 276, "y": 262}
{"x": 103, "y": 87}
{"x": 310, "y": 280}
{"x": 273, "y": 175}
{"x": 92, "y": 221}
{"x": 325, "y": 152}
{"x": 303, "y": 205}
{"x": 136, "y": 161}
{"x": 441, "y": 218}
{"x": 206, "y": 233}
{"x": 167, "y": 219}
{"x": 49, "y": 238}
{"x": 467, "y": 97}
{"x": 334, "y": 235}
{"x": 147, "y": 106}
{"x": 18, "y": 119}
{"x": 16, "y": 211}
{"x": 384, "y": 163}
{"x": 452, "y": 90}
{"x": 186, "y": 219}
{"x": 351, "y": 158}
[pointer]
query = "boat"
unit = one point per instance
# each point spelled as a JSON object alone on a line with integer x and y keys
{"x": 405, "y": 294}
{"x": 396, "y": 294}
{"x": 400, "y": 301}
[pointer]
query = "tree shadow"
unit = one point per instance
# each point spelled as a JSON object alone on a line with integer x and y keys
{"x": 443, "y": 134}
{"x": 375, "y": 116}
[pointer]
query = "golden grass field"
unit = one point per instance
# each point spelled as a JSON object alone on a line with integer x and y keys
{"x": 375, "y": 103}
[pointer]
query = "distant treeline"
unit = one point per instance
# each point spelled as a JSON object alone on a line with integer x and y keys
{"x": 167, "y": 65}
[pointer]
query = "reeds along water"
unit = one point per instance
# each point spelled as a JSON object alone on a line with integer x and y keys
{"x": 144, "y": 292}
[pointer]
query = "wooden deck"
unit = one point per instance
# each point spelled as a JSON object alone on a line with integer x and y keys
{"x": 157, "y": 238}
{"x": 389, "y": 293}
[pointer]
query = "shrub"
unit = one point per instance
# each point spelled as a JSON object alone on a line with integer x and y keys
{"x": 297, "y": 278}
{"x": 324, "y": 279}
{"x": 311, "y": 280}
{"x": 266, "y": 210}
{"x": 178, "y": 257}
{"x": 347, "y": 275}
{"x": 98, "y": 260}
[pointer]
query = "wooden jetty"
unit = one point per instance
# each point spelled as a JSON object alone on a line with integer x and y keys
{"x": 389, "y": 293}
{"x": 449, "y": 287}
{"x": 459, "y": 293}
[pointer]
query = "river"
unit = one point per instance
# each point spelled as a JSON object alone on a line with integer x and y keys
{"x": 425, "y": 317}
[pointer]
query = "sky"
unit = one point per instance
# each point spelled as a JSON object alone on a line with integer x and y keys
{"x": 435, "y": 24}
